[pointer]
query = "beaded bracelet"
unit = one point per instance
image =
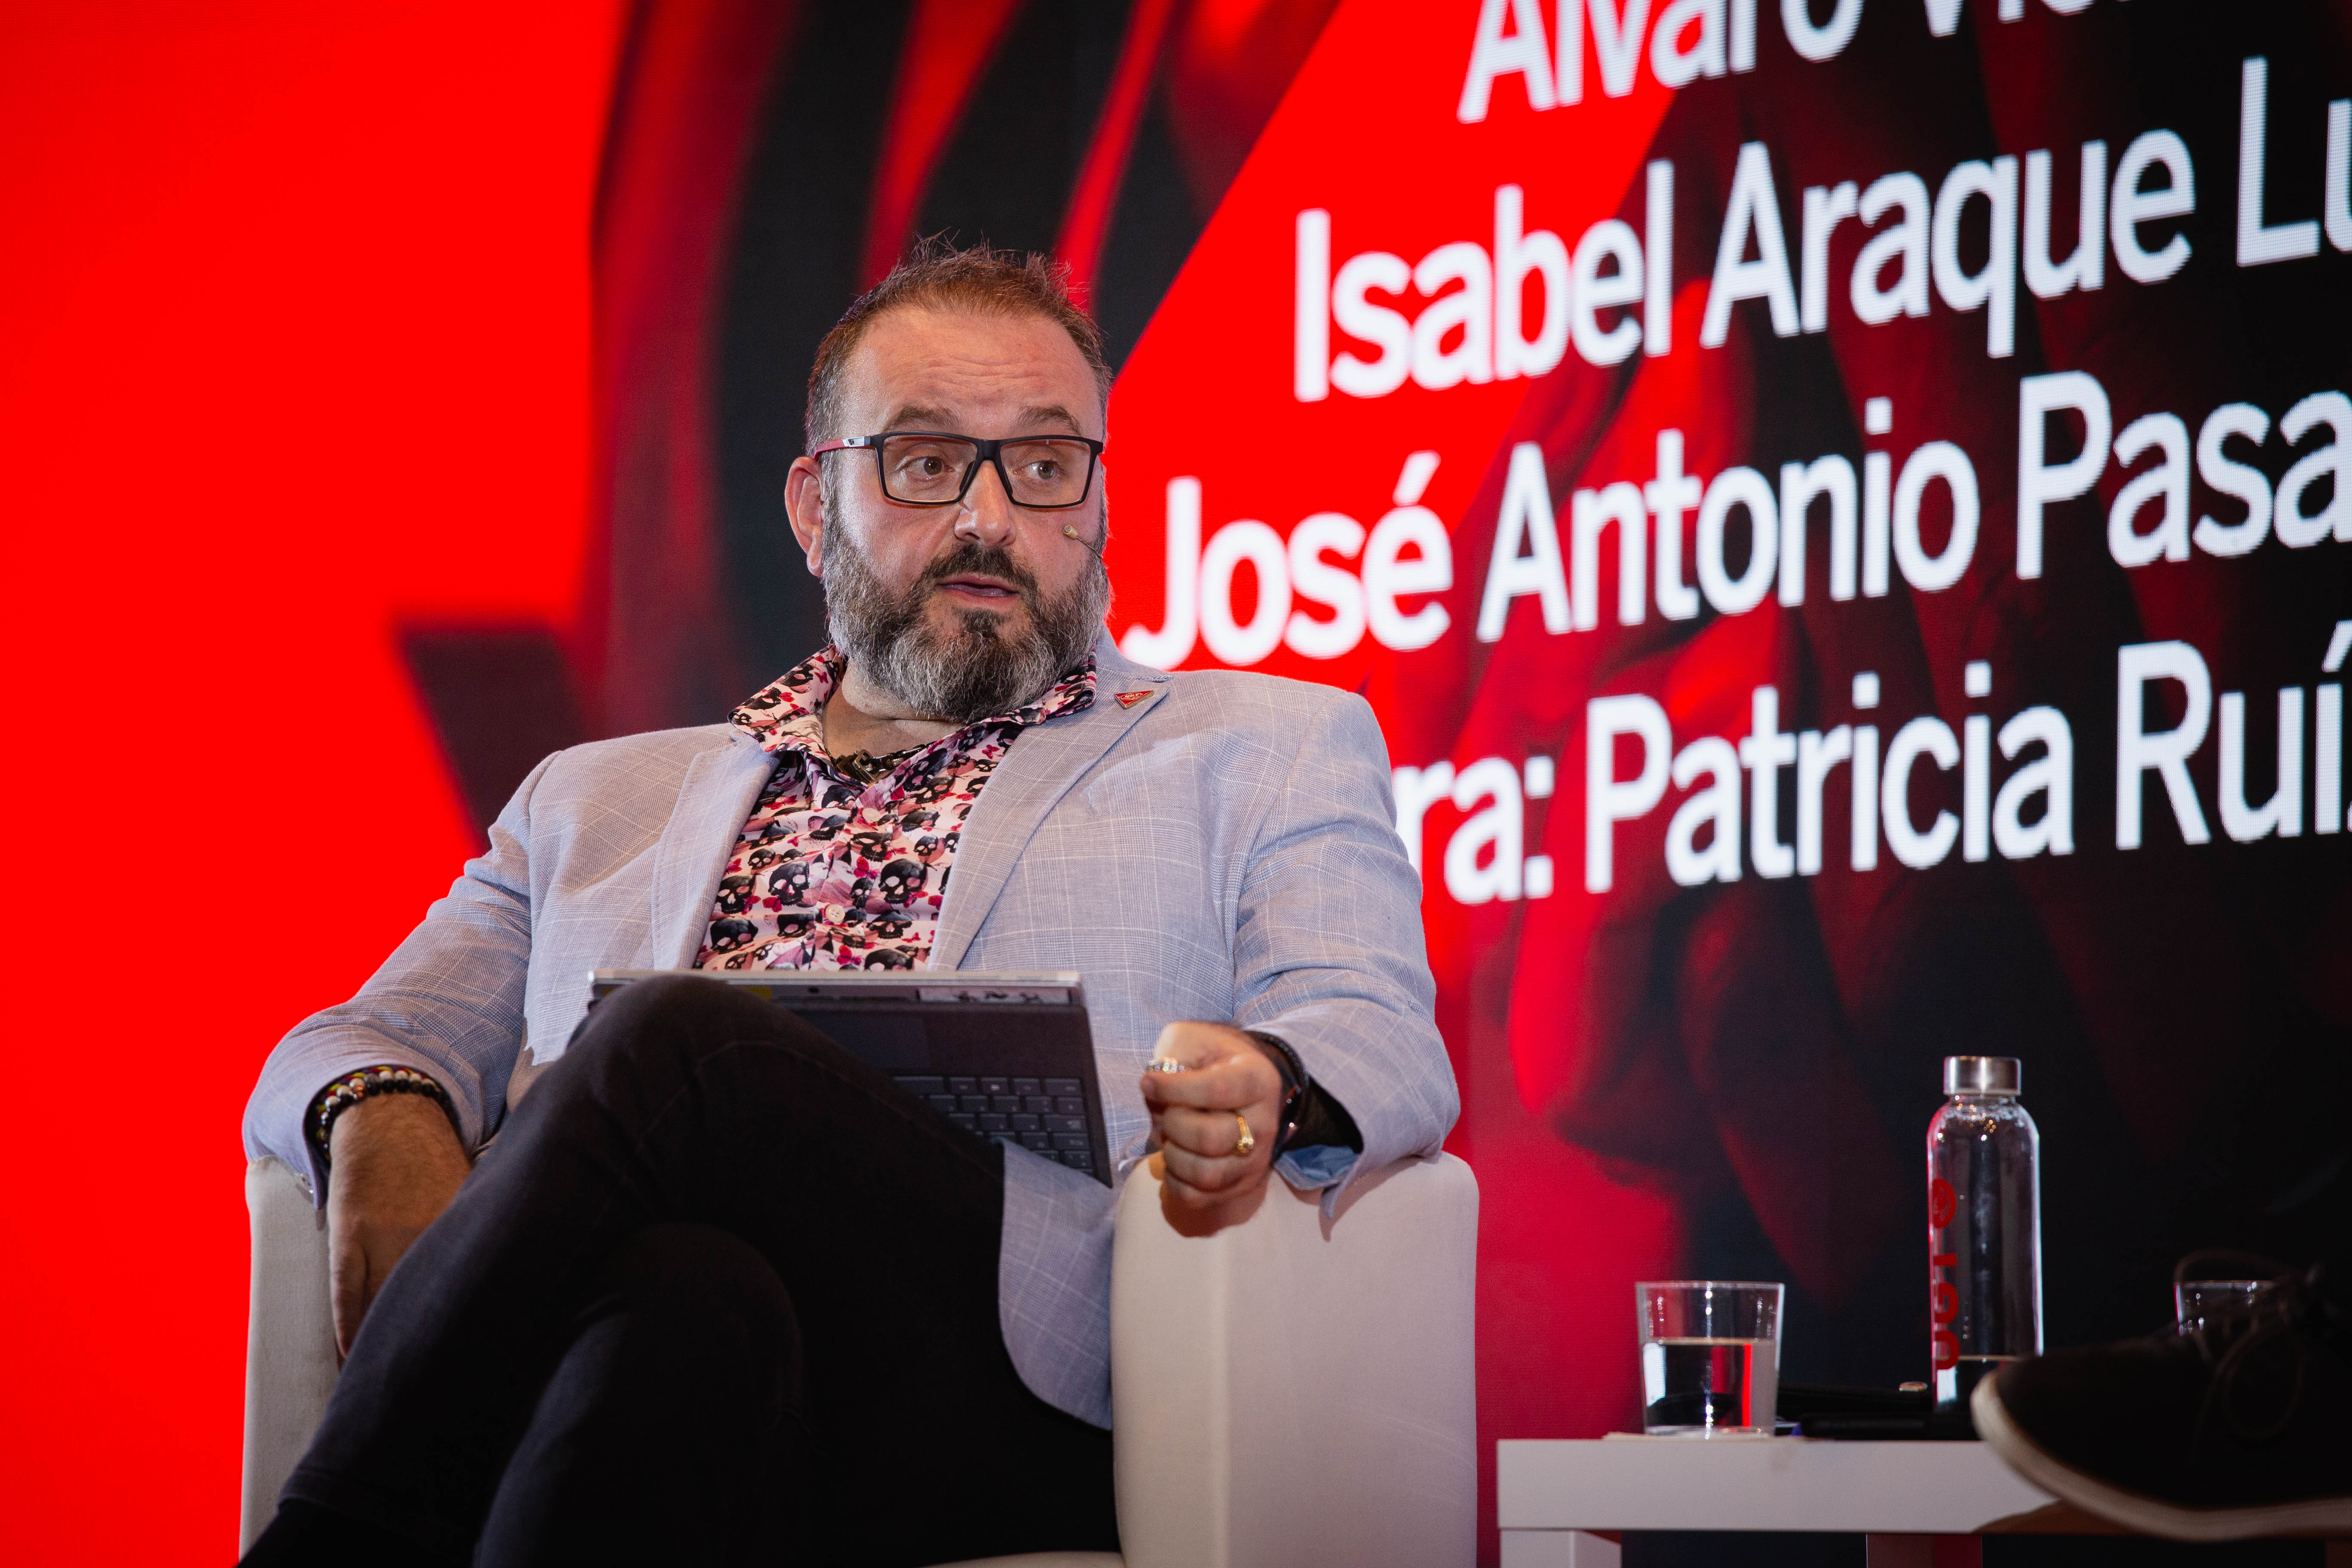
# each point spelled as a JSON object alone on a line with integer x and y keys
{"x": 354, "y": 1087}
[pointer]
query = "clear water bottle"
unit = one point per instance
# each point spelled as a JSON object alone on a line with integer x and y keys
{"x": 1984, "y": 1228}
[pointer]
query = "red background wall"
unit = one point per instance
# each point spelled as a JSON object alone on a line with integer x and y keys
{"x": 293, "y": 344}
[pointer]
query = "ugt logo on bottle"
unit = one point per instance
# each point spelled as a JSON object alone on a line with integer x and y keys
{"x": 1943, "y": 1300}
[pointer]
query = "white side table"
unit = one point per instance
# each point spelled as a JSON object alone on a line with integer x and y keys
{"x": 1552, "y": 1497}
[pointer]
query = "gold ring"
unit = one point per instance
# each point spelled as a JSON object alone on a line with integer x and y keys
{"x": 1248, "y": 1141}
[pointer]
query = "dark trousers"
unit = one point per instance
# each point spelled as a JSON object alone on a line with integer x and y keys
{"x": 719, "y": 1293}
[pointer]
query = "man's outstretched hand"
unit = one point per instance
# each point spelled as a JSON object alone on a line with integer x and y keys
{"x": 396, "y": 1163}
{"x": 1207, "y": 1186}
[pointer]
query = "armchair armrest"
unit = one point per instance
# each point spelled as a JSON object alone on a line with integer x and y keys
{"x": 289, "y": 1346}
{"x": 1293, "y": 1389}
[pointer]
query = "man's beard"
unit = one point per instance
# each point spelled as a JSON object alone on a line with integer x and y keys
{"x": 977, "y": 666}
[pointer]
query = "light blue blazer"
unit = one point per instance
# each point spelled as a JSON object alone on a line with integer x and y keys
{"x": 1221, "y": 849}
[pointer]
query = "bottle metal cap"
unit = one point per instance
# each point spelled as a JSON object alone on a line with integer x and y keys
{"x": 1981, "y": 1074}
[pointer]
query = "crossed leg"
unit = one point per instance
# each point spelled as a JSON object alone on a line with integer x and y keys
{"x": 718, "y": 1293}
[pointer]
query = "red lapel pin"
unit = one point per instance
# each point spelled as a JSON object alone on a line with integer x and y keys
{"x": 1129, "y": 699}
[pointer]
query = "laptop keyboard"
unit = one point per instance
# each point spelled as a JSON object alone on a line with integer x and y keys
{"x": 1046, "y": 1115}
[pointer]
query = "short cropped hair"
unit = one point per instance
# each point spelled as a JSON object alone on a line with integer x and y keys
{"x": 936, "y": 275}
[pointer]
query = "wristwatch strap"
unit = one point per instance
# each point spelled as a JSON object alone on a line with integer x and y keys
{"x": 1294, "y": 1084}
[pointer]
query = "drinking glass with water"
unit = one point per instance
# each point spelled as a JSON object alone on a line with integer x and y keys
{"x": 1710, "y": 1356}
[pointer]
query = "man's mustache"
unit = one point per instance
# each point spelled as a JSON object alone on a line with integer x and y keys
{"x": 971, "y": 557}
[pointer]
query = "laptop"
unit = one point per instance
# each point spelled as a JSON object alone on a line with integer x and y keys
{"x": 1004, "y": 1057}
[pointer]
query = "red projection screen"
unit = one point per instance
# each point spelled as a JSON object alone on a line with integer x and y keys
{"x": 1843, "y": 510}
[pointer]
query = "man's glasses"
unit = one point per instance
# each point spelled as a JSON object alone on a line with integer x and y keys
{"x": 931, "y": 468}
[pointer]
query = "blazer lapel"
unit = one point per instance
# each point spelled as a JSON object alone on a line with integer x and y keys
{"x": 721, "y": 785}
{"x": 1035, "y": 773}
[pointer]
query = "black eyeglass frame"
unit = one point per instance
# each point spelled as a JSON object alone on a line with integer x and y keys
{"x": 989, "y": 452}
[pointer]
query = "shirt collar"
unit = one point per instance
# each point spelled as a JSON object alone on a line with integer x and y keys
{"x": 788, "y": 713}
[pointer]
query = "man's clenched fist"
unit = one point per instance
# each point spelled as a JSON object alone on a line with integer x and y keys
{"x": 1209, "y": 1183}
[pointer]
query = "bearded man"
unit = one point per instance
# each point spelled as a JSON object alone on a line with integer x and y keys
{"x": 717, "y": 1290}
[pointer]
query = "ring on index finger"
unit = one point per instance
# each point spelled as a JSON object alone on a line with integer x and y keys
{"x": 1247, "y": 1140}
{"x": 1166, "y": 1064}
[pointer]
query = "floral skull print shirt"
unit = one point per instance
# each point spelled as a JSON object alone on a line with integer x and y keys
{"x": 833, "y": 873}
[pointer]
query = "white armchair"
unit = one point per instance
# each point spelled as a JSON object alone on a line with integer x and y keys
{"x": 1287, "y": 1392}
